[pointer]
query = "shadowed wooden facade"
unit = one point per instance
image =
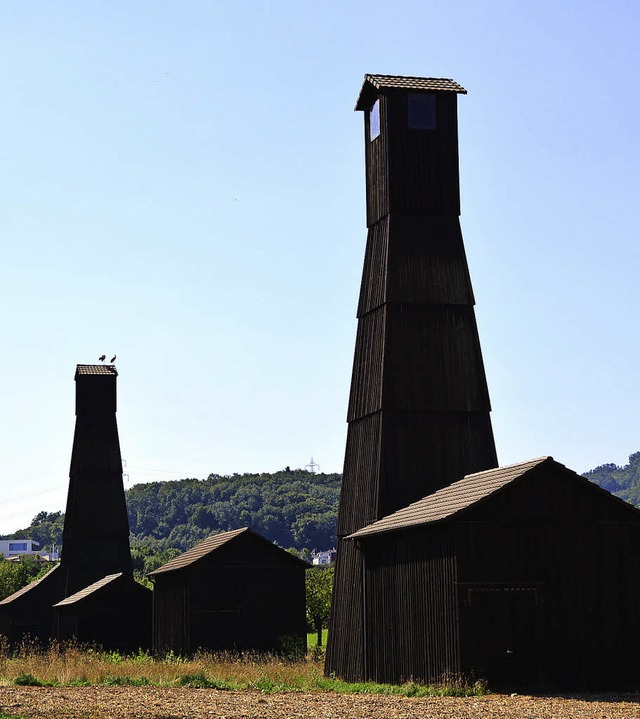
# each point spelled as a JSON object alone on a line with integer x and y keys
{"x": 419, "y": 405}
{"x": 523, "y": 575}
{"x": 234, "y": 591}
{"x": 114, "y": 612}
{"x": 95, "y": 534}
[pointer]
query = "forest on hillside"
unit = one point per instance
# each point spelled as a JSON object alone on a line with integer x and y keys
{"x": 295, "y": 508}
{"x": 624, "y": 482}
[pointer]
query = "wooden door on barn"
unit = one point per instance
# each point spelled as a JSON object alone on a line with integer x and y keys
{"x": 501, "y": 633}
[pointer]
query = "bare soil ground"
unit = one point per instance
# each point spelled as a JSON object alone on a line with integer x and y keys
{"x": 184, "y": 703}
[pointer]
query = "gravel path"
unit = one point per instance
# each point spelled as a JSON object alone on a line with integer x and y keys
{"x": 184, "y": 703}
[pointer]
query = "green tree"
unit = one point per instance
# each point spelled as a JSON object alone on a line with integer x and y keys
{"x": 319, "y": 586}
{"x": 15, "y": 575}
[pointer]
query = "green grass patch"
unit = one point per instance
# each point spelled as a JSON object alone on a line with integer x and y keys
{"x": 200, "y": 681}
{"x": 312, "y": 639}
{"x": 269, "y": 686}
{"x": 409, "y": 689}
{"x": 125, "y": 681}
{"x": 28, "y": 680}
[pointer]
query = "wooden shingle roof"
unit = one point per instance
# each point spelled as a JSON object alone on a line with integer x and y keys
{"x": 450, "y": 500}
{"x": 200, "y": 550}
{"x": 96, "y": 369}
{"x": 211, "y": 544}
{"x": 91, "y": 589}
{"x": 374, "y": 83}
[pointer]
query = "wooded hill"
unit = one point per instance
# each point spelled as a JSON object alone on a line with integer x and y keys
{"x": 624, "y": 482}
{"x": 295, "y": 508}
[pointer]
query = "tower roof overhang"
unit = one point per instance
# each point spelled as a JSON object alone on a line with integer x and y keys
{"x": 373, "y": 84}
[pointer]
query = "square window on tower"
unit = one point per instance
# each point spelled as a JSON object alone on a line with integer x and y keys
{"x": 374, "y": 120}
{"x": 421, "y": 110}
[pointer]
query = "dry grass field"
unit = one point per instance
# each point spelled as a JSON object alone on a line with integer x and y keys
{"x": 80, "y": 683}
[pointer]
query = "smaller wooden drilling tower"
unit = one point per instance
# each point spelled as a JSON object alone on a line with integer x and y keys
{"x": 96, "y": 528}
{"x": 419, "y": 405}
{"x": 91, "y": 595}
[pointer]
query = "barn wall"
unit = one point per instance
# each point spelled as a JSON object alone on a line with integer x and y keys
{"x": 170, "y": 601}
{"x": 410, "y": 620}
{"x": 30, "y": 614}
{"x": 117, "y": 617}
{"x": 545, "y": 586}
{"x": 345, "y": 647}
{"x": 244, "y": 595}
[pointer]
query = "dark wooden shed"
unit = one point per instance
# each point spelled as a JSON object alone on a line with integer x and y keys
{"x": 27, "y": 613}
{"x": 527, "y": 575}
{"x": 234, "y": 591}
{"x": 114, "y": 612}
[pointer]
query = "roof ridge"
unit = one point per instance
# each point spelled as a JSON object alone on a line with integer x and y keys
{"x": 535, "y": 460}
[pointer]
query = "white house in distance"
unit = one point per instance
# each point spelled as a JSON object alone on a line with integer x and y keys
{"x": 10, "y": 548}
{"x": 324, "y": 559}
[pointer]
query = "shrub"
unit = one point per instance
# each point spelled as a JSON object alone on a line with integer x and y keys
{"x": 27, "y": 680}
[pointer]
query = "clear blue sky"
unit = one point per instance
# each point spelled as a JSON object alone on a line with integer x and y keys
{"x": 182, "y": 184}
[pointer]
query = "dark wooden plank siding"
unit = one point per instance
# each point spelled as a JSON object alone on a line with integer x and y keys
{"x": 345, "y": 648}
{"x": 427, "y": 261}
{"x": 433, "y": 360}
{"x": 423, "y": 164}
{"x": 411, "y": 623}
{"x": 359, "y": 494}
{"x": 170, "y": 628}
{"x": 373, "y": 288}
{"x": 545, "y": 587}
{"x": 424, "y": 451}
{"x": 117, "y": 617}
{"x": 412, "y": 171}
{"x": 377, "y": 168}
{"x": 415, "y": 259}
{"x": 366, "y": 379}
{"x": 246, "y": 595}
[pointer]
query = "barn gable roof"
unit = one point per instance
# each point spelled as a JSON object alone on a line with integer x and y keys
{"x": 91, "y": 589}
{"x": 211, "y": 544}
{"x": 28, "y": 587}
{"x": 373, "y": 83}
{"x": 459, "y": 496}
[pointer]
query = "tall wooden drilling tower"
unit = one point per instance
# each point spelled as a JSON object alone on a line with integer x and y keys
{"x": 96, "y": 527}
{"x": 419, "y": 405}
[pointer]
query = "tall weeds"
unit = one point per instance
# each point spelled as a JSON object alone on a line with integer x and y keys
{"x": 73, "y": 665}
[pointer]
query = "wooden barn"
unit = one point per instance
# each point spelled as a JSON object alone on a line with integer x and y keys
{"x": 526, "y": 575}
{"x": 419, "y": 411}
{"x": 114, "y": 612}
{"x": 28, "y": 612}
{"x": 233, "y": 591}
